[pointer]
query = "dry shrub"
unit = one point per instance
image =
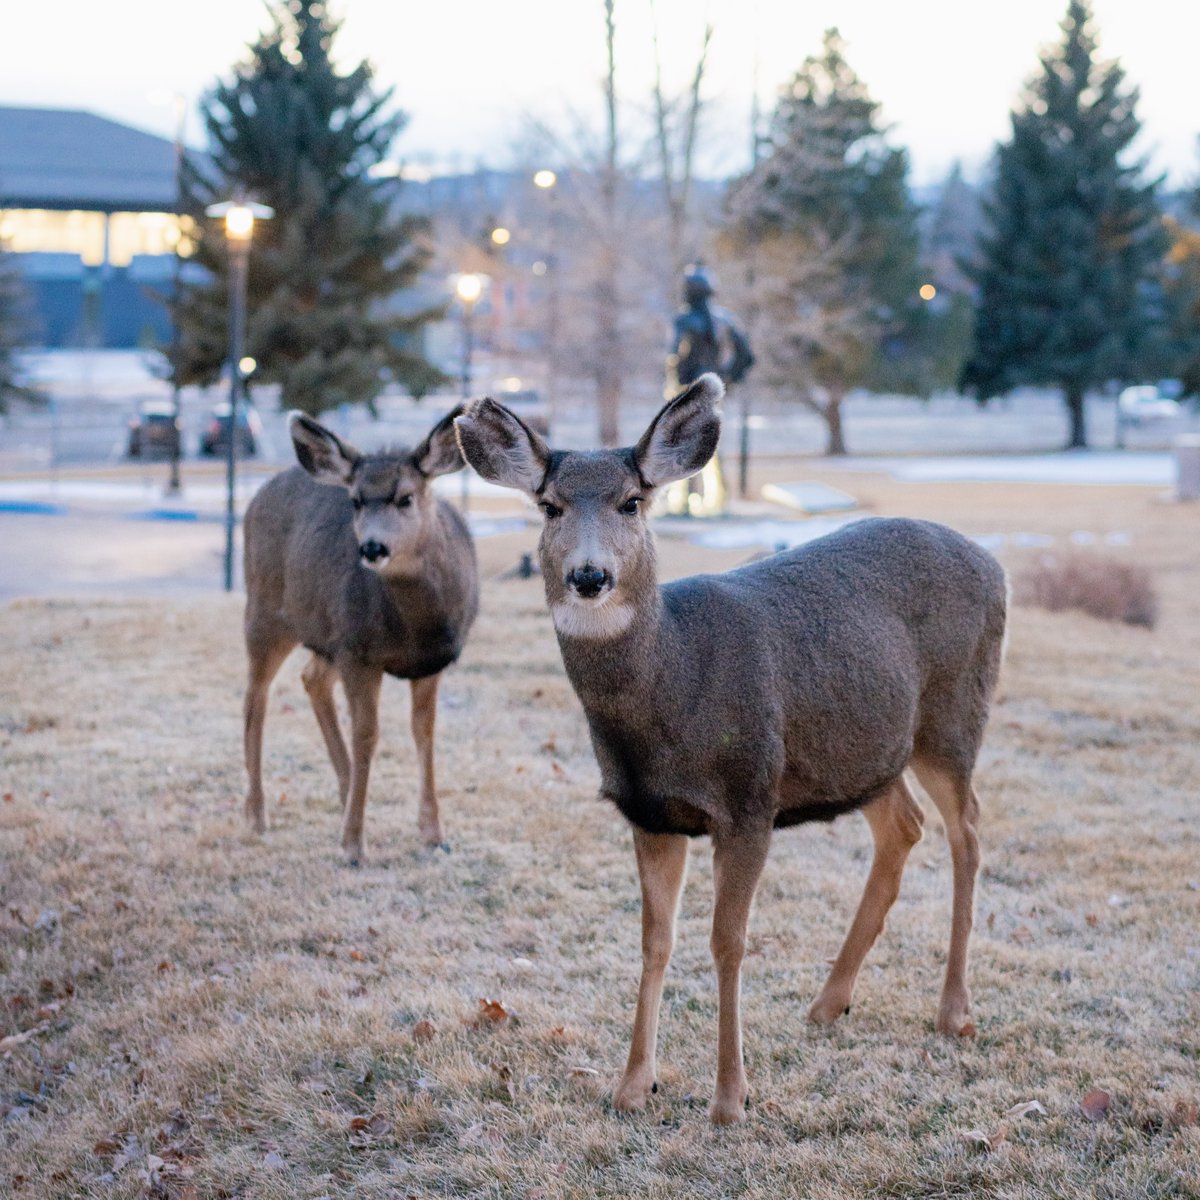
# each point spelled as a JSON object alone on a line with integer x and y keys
{"x": 1101, "y": 587}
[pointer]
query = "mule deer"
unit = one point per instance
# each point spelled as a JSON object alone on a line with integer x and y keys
{"x": 352, "y": 556}
{"x": 794, "y": 689}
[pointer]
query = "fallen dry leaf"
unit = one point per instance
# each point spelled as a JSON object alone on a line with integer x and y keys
{"x": 1185, "y": 1112}
{"x": 968, "y": 1030}
{"x": 1095, "y": 1105}
{"x": 357, "y": 956}
{"x": 504, "y": 1078}
{"x": 8, "y": 797}
{"x": 364, "y": 1130}
{"x": 15, "y": 1039}
{"x": 984, "y": 1142}
{"x": 987, "y": 1142}
{"x": 1092, "y": 919}
{"x": 424, "y": 1031}
{"x": 1024, "y": 1109}
{"x": 490, "y": 1012}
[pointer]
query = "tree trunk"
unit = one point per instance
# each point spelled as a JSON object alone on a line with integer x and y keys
{"x": 1073, "y": 398}
{"x": 832, "y": 412}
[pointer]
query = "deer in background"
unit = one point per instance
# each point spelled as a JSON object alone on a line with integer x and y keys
{"x": 352, "y": 556}
{"x": 794, "y": 689}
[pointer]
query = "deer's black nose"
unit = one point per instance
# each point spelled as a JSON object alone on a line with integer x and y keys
{"x": 373, "y": 551}
{"x": 588, "y": 580}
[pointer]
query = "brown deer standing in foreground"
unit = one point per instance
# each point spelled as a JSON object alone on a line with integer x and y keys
{"x": 794, "y": 689}
{"x": 375, "y": 576}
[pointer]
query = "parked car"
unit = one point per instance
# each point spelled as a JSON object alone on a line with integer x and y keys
{"x": 215, "y": 438}
{"x": 155, "y": 430}
{"x": 1144, "y": 404}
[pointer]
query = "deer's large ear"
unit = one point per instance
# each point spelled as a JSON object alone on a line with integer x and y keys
{"x": 321, "y": 452}
{"x": 684, "y": 435}
{"x": 501, "y": 447}
{"x": 439, "y": 454}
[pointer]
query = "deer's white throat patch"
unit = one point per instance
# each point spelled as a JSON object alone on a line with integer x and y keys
{"x": 609, "y": 619}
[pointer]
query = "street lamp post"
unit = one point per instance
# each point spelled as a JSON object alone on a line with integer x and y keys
{"x": 239, "y": 217}
{"x": 547, "y": 181}
{"x": 468, "y": 288}
{"x": 173, "y": 482}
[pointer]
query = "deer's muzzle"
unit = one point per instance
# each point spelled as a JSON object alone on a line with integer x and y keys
{"x": 588, "y": 581}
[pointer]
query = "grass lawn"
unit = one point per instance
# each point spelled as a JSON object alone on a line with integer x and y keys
{"x": 187, "y": 1011}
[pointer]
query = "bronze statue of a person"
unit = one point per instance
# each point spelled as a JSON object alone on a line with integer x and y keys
{"x": 706, "y": 338}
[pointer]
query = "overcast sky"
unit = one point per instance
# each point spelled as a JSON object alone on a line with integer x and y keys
{"x": 946, "y": 71}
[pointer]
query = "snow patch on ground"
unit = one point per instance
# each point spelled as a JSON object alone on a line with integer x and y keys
{"x": 1137, "y": 468}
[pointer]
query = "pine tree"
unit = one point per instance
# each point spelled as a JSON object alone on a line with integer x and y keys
{"x": 1182, "y": 296}
{"x": 15, "y": 328}
{"x": 292, "y": 132}
{"x": 1067, "y": 269}
{"x": 828, "y": 225}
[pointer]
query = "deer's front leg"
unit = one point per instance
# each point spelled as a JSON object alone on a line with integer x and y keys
{"x": 362, "y": 692}
{"x": 662, "y": 864}
{"x": 738, "y": 859}
{"x": 424, "y": 714}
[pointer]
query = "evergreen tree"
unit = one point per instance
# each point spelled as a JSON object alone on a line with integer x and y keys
{"x": 15, "y": 328}
{"x": 830, "y": 230}
{"x": 1067, "y": 270}
{"x": 292, "y": 132}
{"x": 1182, "y": 295}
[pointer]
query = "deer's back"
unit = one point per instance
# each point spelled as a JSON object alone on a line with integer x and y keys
{"x": 303, "y": 574}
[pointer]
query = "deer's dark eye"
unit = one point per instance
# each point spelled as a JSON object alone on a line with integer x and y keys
{"x": 404, "y": 501}
{"x": 631, "y": 507}
{"x": 551, "y": 510}
{"x": 358, "y": 502}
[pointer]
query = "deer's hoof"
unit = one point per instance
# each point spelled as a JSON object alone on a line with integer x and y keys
{"x": 954, "y": 1018}
{"x": 826, "y": 1009}
{"x": 256, "y": 819}
{"x": 727, "y": 1110}
{"x": 632, "y": 1093}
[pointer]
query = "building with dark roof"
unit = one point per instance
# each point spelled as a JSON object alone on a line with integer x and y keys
{"x": 88, "y": 207}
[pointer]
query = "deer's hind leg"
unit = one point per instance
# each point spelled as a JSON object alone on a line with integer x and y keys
{"x": 950, "y": 789}
{"x": 895, "y": 820}
{"x": 319, "y": 676}
{"x": 266, "y": 650}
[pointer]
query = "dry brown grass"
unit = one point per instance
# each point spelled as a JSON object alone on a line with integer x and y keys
{"x": 231, "y": 1006}
{"x": 1099, "y": 585}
